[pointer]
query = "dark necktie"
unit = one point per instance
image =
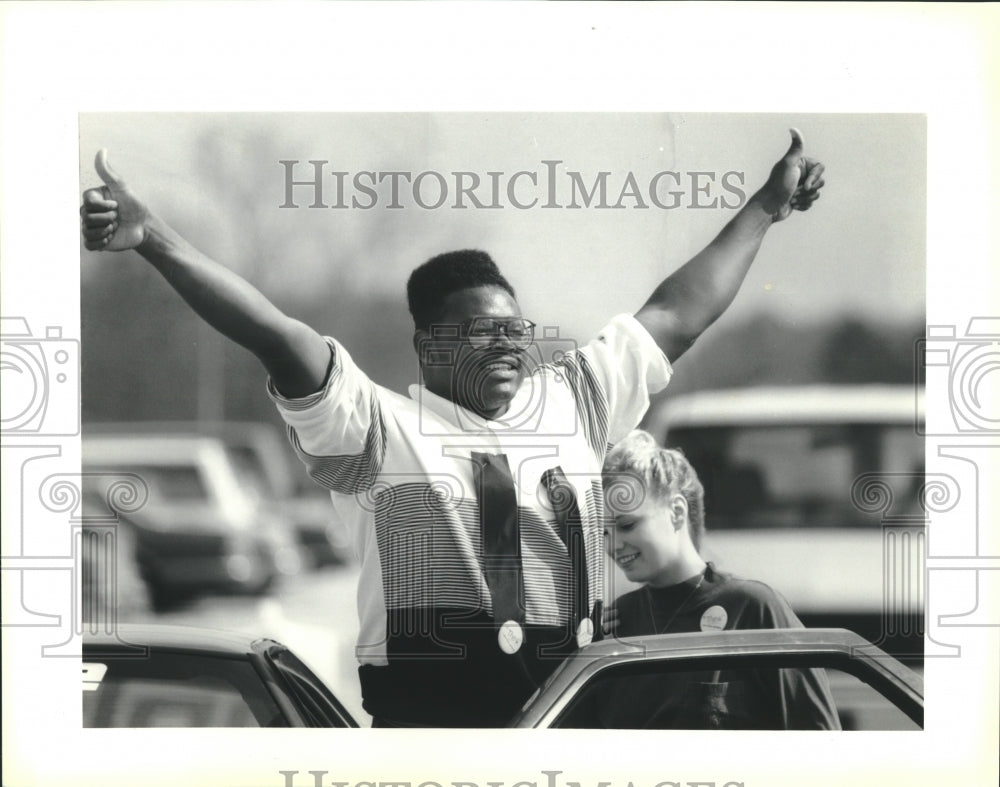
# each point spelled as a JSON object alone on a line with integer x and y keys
{"x": 562, "y": 498}
{"x": 501, "y": 536}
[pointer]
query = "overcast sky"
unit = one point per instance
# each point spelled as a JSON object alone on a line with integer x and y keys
{"x": 860, "y": 249}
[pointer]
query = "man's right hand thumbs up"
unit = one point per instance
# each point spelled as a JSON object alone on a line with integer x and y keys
{"x": 112, "y": 218}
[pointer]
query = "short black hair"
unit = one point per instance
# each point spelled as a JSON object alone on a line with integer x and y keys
{"x": 440, "y": 276}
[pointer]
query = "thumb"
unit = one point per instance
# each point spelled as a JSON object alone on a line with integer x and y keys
{"x": 108, "y": 175}
{"x": 795, "y": 151}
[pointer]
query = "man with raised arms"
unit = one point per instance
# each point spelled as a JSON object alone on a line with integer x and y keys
{"x": 474, "y": 503}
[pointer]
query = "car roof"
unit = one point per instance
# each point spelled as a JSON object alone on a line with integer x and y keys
{"x": 597, "y": 656}
{"x": 900, "y": 404}
{"x": 190, "y": 639}
{"x": 271, "y": 453}
{"x": 736, "y": 641}
{"x": 149, "y": 449}
{"x": 699, "y": 641}
{"x": 225, "y": 429}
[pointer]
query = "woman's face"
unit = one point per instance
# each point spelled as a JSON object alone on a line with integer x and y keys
{"x": 646, "y": 542}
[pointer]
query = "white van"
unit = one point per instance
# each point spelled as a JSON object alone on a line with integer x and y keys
{"x": 816, "y": 491}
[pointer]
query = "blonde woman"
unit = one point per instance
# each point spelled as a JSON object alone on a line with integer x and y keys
{"x": 655, "y": 512}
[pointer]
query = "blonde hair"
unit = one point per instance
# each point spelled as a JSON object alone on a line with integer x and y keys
{"x": 660, "y": 473}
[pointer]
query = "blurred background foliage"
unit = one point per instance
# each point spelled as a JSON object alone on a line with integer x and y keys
{"x": 170, "y": 359}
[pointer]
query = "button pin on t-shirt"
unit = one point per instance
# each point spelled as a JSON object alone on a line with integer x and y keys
{"x": 714, "y": 619}
{"x": 510, "y": 637}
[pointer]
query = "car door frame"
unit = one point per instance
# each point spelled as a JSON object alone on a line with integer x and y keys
{"x": 823, "y": 648}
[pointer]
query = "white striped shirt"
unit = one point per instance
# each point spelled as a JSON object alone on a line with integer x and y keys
{"x": 401, "y": 478}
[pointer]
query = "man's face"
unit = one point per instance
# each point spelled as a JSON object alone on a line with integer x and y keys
{"x": 468, "y": 356}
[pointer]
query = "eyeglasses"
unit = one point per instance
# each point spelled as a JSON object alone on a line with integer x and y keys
{"x": 483, "y": 331}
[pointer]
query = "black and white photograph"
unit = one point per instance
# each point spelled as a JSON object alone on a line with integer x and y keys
{"x": 664, "y": 421}
{"x": 799, "y": 410}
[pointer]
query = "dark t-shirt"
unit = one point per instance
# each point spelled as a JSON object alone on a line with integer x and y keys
{"x": 723, "y": 699}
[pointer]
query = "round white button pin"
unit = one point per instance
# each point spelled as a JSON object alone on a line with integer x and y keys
{"x": 585, "y": 632}
{"x": 510, "y": 636}
{"x": 714, "y": 619}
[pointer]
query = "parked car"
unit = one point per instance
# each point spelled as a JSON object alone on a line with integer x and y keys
{"x": 817, "y": 492}
{"x": 197, "y": 529}
{"x": 268, "y": 469}
{"x": 264, "y": 458}
{"x": 871, "y": 690}
{"x": 180, "y": 676}
{"x": 175, "y": 676}
{"x": 112, "y": 552}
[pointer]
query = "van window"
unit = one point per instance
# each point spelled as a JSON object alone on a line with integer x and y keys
{"x": 800, "y": 475}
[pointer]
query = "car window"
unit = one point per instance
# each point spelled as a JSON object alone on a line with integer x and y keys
{"x": 799, "y": 475}
{"x": 862, "y": 708}
{"x": 668, "y": 695}
{"x": 318, "y": 705}
{"x": 173, "y": 482}
{"x": 167, "y": 689}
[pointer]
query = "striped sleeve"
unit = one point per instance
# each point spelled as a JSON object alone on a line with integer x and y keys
{"x": 339, "y": 431}
{"x": 624, "y": 365}
{"x": 590, "y": 398}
